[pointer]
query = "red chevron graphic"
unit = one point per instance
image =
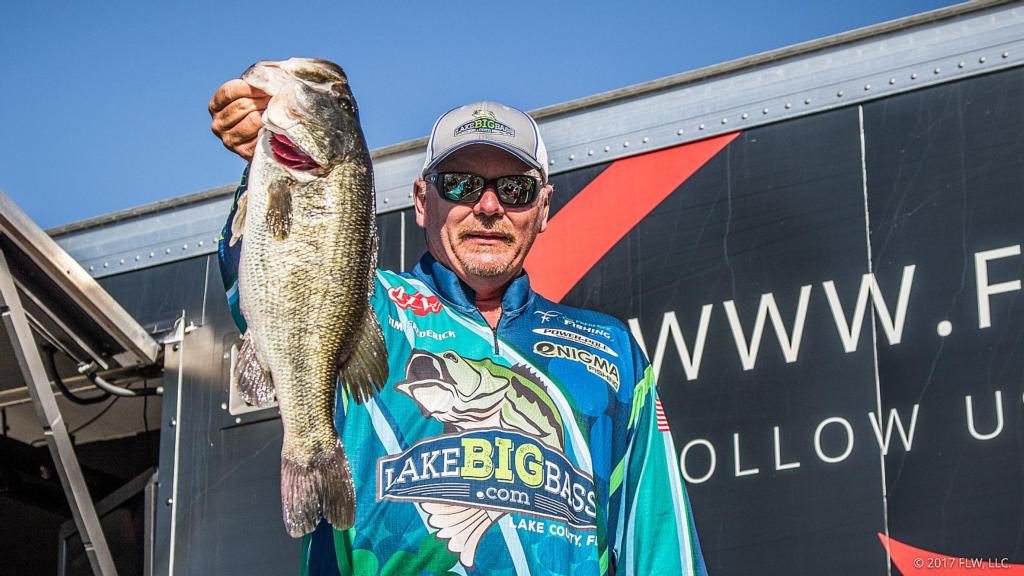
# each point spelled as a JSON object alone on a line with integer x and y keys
{"x": 609, "y": 207}
{"x": 914, "y": 561}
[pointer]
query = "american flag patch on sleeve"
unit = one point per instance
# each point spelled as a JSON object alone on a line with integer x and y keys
{"x": 659, "y": 411}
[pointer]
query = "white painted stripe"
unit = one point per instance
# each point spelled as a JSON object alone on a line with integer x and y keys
{"x": 206, "y": 286}
{"x": 627, "y": 569}
{"x": 381, "y": 426}
{"x": 401, "y": 241}
{"x": 874, "y": 330}
{"x": 176, "y": 470}
{"x": 621, "y": 521}
{"x": 679, "y": 509}
{"x": 515, "y": 547}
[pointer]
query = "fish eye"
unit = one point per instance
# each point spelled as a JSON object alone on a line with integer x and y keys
{"x": 451, "y": 356}
{"x": 347, "y": 104}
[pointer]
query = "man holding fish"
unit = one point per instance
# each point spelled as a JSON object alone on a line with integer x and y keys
{"x": 478, "y": 428}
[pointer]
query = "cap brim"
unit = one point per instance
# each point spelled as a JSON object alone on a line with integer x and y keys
{"x": 510, "y": 149}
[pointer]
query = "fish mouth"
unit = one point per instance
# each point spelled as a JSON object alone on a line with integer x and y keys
{"x": 426, "y": 369}
{"x": 289, "y": 155}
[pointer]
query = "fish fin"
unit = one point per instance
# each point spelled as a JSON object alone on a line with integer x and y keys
{"x": 461, "y": 526}
{"x": 366, "y": 369}
{"x": 254, "y": 384}
{"x": 321, "y": 489}
{"x": 279, "y": 209}
{"x": 238, "y": 222}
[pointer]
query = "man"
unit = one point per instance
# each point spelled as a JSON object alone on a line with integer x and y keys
{"x": 514, "y": 435}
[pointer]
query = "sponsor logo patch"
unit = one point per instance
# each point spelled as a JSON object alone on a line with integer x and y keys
{"x": 419, "y": 304}
{"x": 559, "y": 318}
{"x": 545, "y": 316}
{"x": 602, "y": 367}
{"x": 574, "y": 337}
{"x": 484, "y": 121}
{"x": 492, "y": 469}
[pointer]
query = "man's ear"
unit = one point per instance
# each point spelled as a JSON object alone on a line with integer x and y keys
{"x": 546, "y": 193}
{"x": 419, "y": 201}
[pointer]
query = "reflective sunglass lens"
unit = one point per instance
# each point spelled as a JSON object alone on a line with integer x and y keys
{"x": 458, "y": 187}
{"x": 515, "y": 189}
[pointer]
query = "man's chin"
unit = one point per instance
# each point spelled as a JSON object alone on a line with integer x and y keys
{"x": 485, "y": 270}
{"x": 485, "y": 266}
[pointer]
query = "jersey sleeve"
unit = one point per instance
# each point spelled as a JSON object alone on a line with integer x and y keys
{"x": 228, "y": 254}
{"x": 654, "y": 532}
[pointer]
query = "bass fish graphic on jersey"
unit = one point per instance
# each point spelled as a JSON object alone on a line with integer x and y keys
{"x": 478, "y": 395}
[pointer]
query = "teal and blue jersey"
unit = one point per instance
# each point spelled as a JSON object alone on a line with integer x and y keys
{"x": 537, "y": 447}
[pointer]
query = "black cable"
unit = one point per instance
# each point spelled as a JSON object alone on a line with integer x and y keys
{"x": 41, "y": 441}
{"x": 51, "y": 365}
{"x": 96, "y": 417}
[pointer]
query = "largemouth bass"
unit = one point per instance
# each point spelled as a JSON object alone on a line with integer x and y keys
{"x": 305, "y": 275}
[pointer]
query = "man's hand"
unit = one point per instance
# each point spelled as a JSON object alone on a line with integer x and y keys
{"x": 236, "y": 109}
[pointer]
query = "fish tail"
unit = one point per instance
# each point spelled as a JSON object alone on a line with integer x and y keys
{"x": 321, "y": 489}
{"x": 366, "y": 370}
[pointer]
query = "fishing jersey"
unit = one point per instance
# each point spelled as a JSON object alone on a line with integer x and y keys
{"x": 538, "y": 447}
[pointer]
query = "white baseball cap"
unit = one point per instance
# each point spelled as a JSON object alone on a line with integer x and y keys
{"x": 505, "y": 127}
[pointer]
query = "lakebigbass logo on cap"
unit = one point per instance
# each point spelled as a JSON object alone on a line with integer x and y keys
{"x": 484, "y": 121}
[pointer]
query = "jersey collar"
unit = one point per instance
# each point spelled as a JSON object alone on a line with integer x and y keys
{"x": 444, "y": 283}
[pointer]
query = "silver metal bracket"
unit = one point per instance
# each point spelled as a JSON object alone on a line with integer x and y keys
{"x": 54, "y": 428}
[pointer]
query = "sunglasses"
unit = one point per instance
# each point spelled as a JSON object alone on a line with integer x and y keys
{"x": 466, "y": 188}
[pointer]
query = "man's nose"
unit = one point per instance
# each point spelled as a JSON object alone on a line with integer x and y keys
{"x": 489, "y": 204}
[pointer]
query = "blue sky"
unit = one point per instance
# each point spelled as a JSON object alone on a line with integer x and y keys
{"x": 104, "y": 103}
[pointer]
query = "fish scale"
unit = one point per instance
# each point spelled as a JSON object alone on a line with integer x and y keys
{"x": 305, "y": 322}
{"x": 305, "y": 272}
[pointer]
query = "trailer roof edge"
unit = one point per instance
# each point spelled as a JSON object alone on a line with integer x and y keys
{"x": 743, "y": 63}
{"x": 143, "y": 210}
{"x": 618, "y": 94}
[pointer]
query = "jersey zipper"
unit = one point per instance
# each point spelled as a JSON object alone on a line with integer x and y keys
{"x": 494, "y": 331}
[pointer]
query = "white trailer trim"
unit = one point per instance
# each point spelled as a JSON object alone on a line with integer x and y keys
{"x": 854, "y": 67}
